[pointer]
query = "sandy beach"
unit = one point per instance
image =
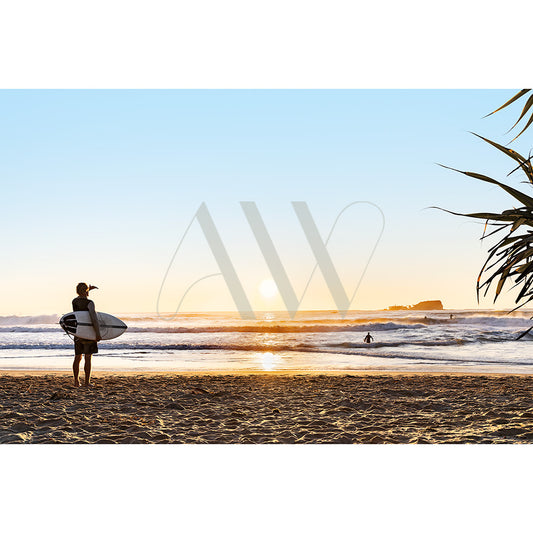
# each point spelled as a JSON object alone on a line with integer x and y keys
{"x": 43, "y": 407}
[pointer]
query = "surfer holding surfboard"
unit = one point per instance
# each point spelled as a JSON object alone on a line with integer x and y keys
{"x": 85, "y": 347}
{"x": 87, "y": 327}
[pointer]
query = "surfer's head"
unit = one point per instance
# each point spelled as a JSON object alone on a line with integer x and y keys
{"x": 82, "y": 289}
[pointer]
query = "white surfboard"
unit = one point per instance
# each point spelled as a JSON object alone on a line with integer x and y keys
{"x": 80, "y": 325}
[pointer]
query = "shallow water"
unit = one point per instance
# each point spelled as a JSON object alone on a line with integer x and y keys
{"x": 314, "y": 341}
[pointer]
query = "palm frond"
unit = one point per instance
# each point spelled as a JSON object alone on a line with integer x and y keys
{"x": 527, "y": 106}
{"x": 510, "y": 260}
{"x": 520, "y": 196}
{"x": 529, "y": 122}
{"x": 523, "y": 162}
{"x": 518, "y": 95}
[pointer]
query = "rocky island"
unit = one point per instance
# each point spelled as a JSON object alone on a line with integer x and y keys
{"x": 428, "y": 305}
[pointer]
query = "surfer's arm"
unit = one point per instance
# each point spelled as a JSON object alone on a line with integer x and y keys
{"x": 94, "y": 319}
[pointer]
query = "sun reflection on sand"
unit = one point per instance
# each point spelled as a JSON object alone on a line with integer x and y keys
{"x": 268, "y": 360}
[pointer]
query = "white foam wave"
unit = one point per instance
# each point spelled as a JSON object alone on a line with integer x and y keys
{"x": 15, "y": 320}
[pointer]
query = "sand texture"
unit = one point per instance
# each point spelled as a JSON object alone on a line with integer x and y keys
{"x": 348, "y": 409}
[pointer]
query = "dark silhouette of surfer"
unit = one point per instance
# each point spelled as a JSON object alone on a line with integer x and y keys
{"x": 84, "y": 347}
{"x": 368, "y": 339}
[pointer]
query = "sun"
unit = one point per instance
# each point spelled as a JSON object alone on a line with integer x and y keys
{"x": 268, "y": 288}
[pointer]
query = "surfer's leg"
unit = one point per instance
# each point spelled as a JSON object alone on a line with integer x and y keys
{"x": 87, "y": 369}
{"x": 76, "y": 370}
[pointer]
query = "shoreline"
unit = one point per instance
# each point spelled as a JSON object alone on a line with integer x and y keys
{"x": 288, "y": 373}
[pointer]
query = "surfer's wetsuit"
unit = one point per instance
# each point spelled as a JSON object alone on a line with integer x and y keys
{"x": 83, "y": 346}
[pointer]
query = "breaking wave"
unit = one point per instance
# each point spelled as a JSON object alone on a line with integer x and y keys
{"x": 15, "y": 320}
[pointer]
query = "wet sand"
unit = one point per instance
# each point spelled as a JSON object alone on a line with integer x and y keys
{"x": 366, "y": 408}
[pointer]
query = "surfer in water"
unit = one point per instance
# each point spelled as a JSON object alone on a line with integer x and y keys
{"x": 83, "y": 347}
{"x": 368, "y": 339}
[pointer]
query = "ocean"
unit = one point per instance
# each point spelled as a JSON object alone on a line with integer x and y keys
{"x": 320, "y": 341}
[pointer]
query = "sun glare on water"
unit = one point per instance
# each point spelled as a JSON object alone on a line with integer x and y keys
{"x": 269, "y": 360}
{"x": 268, "y": 288}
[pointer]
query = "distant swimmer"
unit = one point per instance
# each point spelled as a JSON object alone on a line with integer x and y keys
{"x": 451, "y": 317}
{"x": 368, "y": 339}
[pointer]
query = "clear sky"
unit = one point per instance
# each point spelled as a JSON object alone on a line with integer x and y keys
{"x": 99, "y": 186}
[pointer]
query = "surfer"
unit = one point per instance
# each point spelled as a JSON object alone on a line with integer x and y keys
{"x": 83, "y": 347}
{"x": 368, "y": 339}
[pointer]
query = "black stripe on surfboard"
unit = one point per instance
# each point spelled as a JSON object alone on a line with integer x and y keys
{"x": 102, "y": 325}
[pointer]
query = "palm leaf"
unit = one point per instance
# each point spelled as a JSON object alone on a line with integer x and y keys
{"x": 483, "y": 216}
{"x": 518, "y": 95}
{"x": 520, "y": 196}
{"x": 510, "y": 260}
{"x": 524, "y": 333}
{"x": 523, "y": 163}
{"x": 529, "y": 103}
{"x": 526, "y": 108}
{"x": 511, "y": 153}
{"x": 529, "y": 122}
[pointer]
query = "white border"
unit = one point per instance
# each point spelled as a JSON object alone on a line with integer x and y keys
{"x": 280, "y": 43}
